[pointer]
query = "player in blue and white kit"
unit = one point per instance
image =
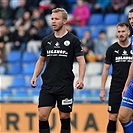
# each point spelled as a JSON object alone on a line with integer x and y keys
{"x": 126, "y": 109}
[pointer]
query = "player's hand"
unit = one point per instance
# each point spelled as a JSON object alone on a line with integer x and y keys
{"x": 79, "y": 84}
{"x": 123, "y": 92}
{"x": 33, "y": 82}
{"x": 102, "y": 95}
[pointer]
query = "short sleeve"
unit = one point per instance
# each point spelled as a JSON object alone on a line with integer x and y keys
{"x": 78, "y": 47}
{"x": 108, "y": 56}
{"x": 43, "y": 50}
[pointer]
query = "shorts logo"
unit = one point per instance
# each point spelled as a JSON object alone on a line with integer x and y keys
{"x": 66, "y": 101}
{"x": 70, "y": 107}
{"x": 109, "y": 108}
{"x": 67, "y": 43}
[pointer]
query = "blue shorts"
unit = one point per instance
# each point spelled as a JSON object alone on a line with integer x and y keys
{"x": 127, "y": 99}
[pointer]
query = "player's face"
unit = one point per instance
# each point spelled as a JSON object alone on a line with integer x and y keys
{"x": 57, "y": 21}
{"x": 130, "y": 18}
{"x": 122, "y": 33}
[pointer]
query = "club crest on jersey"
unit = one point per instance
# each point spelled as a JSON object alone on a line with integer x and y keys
{"x": 67, "y": 43}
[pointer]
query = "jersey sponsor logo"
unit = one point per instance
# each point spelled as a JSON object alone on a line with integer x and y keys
{"x": 67, "y": 101}
{"x": 116, "y": 51}
{"x": 67, "y": 43}
{"x": 123, "y": 59}
{"x": 57, "y": 53}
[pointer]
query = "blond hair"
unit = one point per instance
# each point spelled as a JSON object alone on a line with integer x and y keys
{"x": 62, "y": 10}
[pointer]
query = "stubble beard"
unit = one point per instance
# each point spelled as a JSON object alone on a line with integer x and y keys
{"x": 58, "y": 29}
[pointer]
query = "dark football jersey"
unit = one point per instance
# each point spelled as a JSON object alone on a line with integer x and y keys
{"x": 120, "y": 58}
{"x": 60, "y": 54}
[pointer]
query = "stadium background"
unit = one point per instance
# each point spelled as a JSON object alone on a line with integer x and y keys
{"x": 18, "y": 105}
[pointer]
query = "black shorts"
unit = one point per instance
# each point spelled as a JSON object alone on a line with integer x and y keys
{"x": 62, "y": 94}
{"x": 114, "y": 102}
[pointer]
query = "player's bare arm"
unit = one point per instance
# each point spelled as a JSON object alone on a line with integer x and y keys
{"x": 102, "y": 94}
{"x": 38, "y": 68}
{"x": 82, "y": 67}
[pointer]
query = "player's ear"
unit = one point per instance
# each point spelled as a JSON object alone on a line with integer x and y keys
{"x": 116, "y": 35}
{"x": 65, "y": 21}
{"x": 128, "y": 32}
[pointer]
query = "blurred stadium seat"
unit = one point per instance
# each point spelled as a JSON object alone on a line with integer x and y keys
{"x": 14, "y": 56}
{"x": 5, "y": 92}
{"x": 17, "y": 82}
{"x": 35, "y": 92}
{"x": 123, "y": 18}
{"x": 95, "y": 31}
{"x": 95, "y": 82}
{"x": 81, "y": 30}
{"x": 28, "y": 68}
{"x": 94, "y": 68}
{"x": 82, "y": 95}
{"x": 29, "y": 57}
{"x": 95, "y": 19}
{"x": 14, "y": 68}
{"x": 111, "y": 19}
{"x": 111, "y": 29}
{"x": 21, "y": 93}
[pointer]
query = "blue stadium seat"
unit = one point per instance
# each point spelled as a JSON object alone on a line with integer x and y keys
{"x": 80, "y": 31}
{"x": 5, "y": 92}
{"x": 35, "y": 92}
{"x": 82, "y": 95}
{"x": 18, "y": 82}
{"x": 85, "y": 92}
{"x": 5, "y": 95}
{"x": 95, "y": 92}
{"x": 111, "y": 19}
{"x": 123, "y": 17}
{"x": 96, "y": 30}
{"x": 28, "y": 68}
{"x": 14, "y": 56}
{"x": 14, "y": 69}
{"x": 21, "y": 93}
{"x": 29, "y": 57}
{"x": 95, "y": 19}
